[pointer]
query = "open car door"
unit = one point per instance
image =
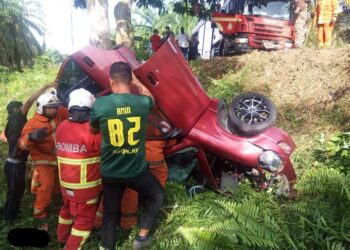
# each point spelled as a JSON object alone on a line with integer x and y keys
{"x": 178, "y": 93}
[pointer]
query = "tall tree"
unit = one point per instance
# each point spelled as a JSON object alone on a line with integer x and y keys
{"x": 124, "y": 34}
{"x": 122, "y": 14}
{"x": 18, "y": 20}
{"x": 98, "y": 22}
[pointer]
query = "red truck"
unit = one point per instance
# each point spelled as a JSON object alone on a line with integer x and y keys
{"x": 254, "y": 24}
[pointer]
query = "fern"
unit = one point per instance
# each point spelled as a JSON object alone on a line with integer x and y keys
{"x": 320, "y": 217}
{"x": 235, "y": 224}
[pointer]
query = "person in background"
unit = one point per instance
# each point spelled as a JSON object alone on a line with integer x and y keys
{"x": 15, "y": 165}
{"x": 38, "y": 137}
{"x": 184, "y": 42}
{"x": 300, "y": 18}
{"x": 78, "y": 157}
{"x": 155, "y": 40}
{"x": 325, "y": 18}
{"x": 193, "y": 50}
{"x": 121, "y": 117}
{"x": 167, "y": 33}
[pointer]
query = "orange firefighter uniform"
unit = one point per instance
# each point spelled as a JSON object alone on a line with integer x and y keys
{"x": 43, "y": 154}
{"x": 78, "y": 156}
{"x": 326, "y": 14}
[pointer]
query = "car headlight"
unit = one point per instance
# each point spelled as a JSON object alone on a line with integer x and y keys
{"x": 270, "y": 161}
{"x": 241, "y": 40}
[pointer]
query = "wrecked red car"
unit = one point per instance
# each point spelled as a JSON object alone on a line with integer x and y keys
{"x": 232, "y": 142}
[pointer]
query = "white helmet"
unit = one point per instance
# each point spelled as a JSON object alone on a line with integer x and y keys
{"x": 47, "y": 100}
{"x": 81, "y": 98}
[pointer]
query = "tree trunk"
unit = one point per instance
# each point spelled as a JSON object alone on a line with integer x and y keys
{"x": 124, "y": 31}
{"x": 99, "y": 24}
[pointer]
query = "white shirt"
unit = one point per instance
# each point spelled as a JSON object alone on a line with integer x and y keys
{"x": 183, "y": 40}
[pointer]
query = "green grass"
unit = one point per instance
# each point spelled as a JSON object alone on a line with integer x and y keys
{"x": 19, "y": 85}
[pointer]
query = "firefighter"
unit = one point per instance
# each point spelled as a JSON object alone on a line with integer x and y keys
{"x": 155, "y": 145}
{"x": 38, "y": 137}
{"x": 78, "y": 155}
{"x": 326, "y": 16}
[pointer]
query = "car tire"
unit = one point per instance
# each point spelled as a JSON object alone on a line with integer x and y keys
{"x": 250, "y": 114}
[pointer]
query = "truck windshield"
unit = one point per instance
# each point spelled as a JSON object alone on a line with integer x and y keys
{"x": 280, "y": 9}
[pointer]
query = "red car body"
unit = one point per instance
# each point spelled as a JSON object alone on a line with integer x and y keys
{"x": 182, "y": 100}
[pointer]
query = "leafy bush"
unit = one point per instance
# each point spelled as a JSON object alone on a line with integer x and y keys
{"x": 335, "y": 152}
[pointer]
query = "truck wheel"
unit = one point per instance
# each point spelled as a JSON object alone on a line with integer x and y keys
{"x": 250, "y": 114}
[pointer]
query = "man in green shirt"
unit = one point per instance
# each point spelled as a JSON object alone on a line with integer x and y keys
{"x": 121, "y": 118}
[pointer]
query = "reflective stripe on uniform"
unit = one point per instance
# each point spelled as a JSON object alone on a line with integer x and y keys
{"x": 92, "y": 201}
{"x": 35, "y": 184}
{"x": 45, "y": 162}
{"x": 156, "y": 163}
{"x": 80, "y": 233}
{"x": 82, "y": 163}
{"x": 78, "y": 161}
{"x": 37, "y": 211}
{"x": 64, "y": 221}
{"x": 13, "y": 160}
{"x": 79, "y": 185}
{"x": 39, "y": 214}
{"x": 99, "y": 214}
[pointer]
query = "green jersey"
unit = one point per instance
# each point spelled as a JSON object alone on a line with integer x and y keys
{"x": 122, "y": 119}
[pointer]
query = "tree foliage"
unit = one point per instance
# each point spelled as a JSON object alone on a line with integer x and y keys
{"x": 159, "y": 4}
{"x": 19, "y": 19}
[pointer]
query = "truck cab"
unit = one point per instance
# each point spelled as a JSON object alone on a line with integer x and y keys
{"x": 253, "y": 24}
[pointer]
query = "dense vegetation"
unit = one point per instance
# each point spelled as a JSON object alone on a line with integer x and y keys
{"x": 19, "y": 21}
{"x": 318, "y": 217}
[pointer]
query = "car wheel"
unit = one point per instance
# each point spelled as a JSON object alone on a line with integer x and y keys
{"x": 251, "y": 113}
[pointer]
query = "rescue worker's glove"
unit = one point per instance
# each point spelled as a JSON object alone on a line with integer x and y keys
{"x": 38, "y": 134}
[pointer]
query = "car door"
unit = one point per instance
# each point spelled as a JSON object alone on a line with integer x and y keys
{"x": 178, "y": 93}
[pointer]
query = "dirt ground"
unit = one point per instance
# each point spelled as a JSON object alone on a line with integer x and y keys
{"x": 305, "y": 84}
